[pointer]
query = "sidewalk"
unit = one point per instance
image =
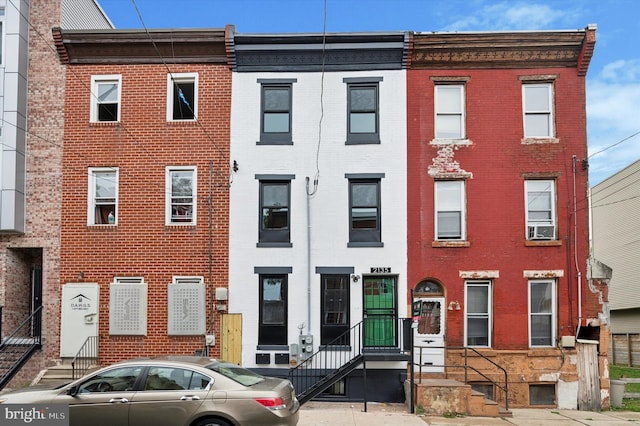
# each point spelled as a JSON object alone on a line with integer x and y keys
{"x": 380, "y": 414}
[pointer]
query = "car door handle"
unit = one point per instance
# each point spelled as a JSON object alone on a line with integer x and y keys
{"x": 190, "y": 398}
{"x": 120, "y": 400}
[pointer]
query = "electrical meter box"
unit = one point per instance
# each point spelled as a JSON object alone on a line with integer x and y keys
{"x": 306, "y": 345}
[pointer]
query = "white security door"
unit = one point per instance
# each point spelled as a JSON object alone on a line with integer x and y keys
{"x": 429, "y": 336}
{"x": 79, "y": 316}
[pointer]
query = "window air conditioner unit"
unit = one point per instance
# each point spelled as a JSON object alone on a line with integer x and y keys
{"x": 542, "y": 232}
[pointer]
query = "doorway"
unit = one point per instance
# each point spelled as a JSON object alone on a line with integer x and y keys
{"x": 429, "y": 334}
{"x": 380, "y": 311}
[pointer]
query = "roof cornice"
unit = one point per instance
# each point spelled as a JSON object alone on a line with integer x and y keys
{"x": 171, "y": 46}
{"x": 535, "y": 49}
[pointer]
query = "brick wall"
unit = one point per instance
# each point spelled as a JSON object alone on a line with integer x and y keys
{"x": 141, "y": 146}
{"x": 40, "y": 243}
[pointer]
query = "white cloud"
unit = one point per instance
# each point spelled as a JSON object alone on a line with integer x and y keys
{"x": 509, "y": 16}
{"x": 613, "y": 108}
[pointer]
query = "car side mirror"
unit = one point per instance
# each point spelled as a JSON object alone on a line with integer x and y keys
{"x": 72, "y": 391}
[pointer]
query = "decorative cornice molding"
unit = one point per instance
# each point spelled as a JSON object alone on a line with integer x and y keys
{"x": 169, "y": 46}
{"x": 503, "y": 49}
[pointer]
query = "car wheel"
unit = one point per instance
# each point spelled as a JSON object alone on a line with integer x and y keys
{"x": 212, "y": 422}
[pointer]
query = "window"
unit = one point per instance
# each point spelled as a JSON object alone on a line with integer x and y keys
{"x": 540, "y": 209}
{"x": 272, "y": 329}
{"x": 450, "y": 210}
{"x": 364, "y": 211}
{"x": 275, "y": 125}
{"x": 172, "y": 378}
{"x": 103, "y": 196}
{"x": 449, "y": 110}
{"x": 105, "y": 98}
{"x": 120, "y": 379}
{"x": 542, "y": 394}
{"x": 478, "y": 313}
{"x": 181, "y": 195}
{"x": 362, "y": 110}
{"x": 275, "y": 197}
{"x": 537, "y": 101}
{"x": 542, "y": 303}
{"x": 182, "y": 96}
{"x": 335, "y": 307}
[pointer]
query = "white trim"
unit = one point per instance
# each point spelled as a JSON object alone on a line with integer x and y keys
{"x": 91, "y": 194}
{"x": 489, "y": 285}
{"x": 169, "y": 194}
{"x": 182, "y": 77}
{"x": 549, "y": 112}
{"x": 552, "y": 314}
{"x": 463, "y": 212}
{"x": 96, "y": 80}
{"x": 461, "y": 114}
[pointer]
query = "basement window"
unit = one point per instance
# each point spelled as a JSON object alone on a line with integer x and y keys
{"x": 542, "y": 394}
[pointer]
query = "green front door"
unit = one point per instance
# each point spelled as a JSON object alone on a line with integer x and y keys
{"x": 380, "y": 310}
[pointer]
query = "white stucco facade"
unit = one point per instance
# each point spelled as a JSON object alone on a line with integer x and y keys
{"x": 318, "y": 151}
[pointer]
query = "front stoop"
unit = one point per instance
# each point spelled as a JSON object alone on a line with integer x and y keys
{"x": 446, "y": 397}
{"x": 57, "y": 374}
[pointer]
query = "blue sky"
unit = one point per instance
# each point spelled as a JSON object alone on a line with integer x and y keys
{"x": 613, "y": 81}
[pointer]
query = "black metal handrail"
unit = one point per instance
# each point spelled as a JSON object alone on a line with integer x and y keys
{"x": 504, "y": 388}
{"x": 18, "y": 346}
{"x": 85, "y": 358}
{"x": 335, "y": 360}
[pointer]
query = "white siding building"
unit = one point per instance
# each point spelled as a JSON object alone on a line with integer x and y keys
{"x": 615, "y": 207}
{"x": 318, "y": 202}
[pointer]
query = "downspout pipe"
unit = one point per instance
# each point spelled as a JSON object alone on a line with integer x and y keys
{"x": 575, "y": 245}
{"x": 309, "y": 272}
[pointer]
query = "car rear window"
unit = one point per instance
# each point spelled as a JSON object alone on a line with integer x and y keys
{"x": 241, "y": 375}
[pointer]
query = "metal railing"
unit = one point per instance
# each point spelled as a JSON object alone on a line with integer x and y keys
{"x": 17, "y": 347}
{"x": 335, "y": 360}
{"x": 85, "y": 358}
{"x": 501, "y": 385}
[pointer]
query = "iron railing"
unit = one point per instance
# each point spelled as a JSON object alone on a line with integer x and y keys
{"x": 502, "y": 385}
{"x": 85, "y": 358}
{"x": 333, "y": 361}
{"x": 17, "y": 347}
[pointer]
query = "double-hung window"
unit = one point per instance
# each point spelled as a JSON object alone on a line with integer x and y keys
{"x": 365, "y": 210}
{"x": 181, "y": 195}
{"x": 105, "y": 98}
{"x": 363, "y": 110}
{"x": 540, "y": 209}
{"x": 275, "y": 215}
{"x": 273, "y": 299}
{"x": 103, "y": 196}
{"x": 477, "y": 313}
{"x": 449, "y": 111}
{"x": 450, "y": 210}
{"x": 182, "y": 96}
{"x": 542, "y": 313}
{"x": 276, "y": 111}
{"x": 537, "y": 106}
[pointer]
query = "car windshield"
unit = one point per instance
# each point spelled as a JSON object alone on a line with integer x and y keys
{"x": 241, "y": 375}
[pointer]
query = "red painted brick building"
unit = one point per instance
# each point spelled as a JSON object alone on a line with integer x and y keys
{"x": 144, "y": 236}
{"x": 497, "y": 210}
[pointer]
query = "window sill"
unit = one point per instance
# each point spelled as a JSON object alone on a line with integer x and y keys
{"x": 104, "y": 123}
{"x": 456, "y": 142}
{"x": 103, "y": 227}
{"x": 181, "y": 122}
{"x": 280, "y": 142}
{"x": 365, "y": 244}
{"x": 363, "y": 142}
{"x": 542, "y": 243}
{"x": 272, "y": 347}
{"x": 453, "y": 244}
{"x": 179, "y": 225}
{"x": 541, "y": 140}
{"x": 274, "y": 244}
